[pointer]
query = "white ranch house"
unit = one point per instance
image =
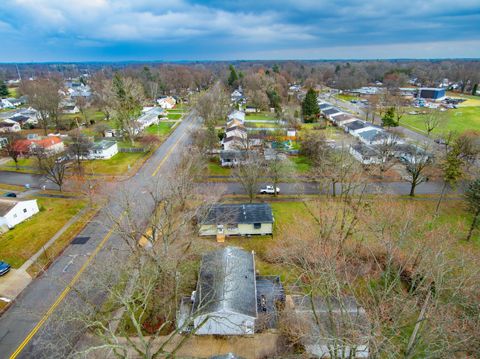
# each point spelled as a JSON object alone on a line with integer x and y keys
{"x": 13, "y": 211}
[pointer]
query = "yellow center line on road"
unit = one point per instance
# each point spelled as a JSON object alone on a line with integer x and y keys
{"x": 170, "y": 151}
{"x": 63, "y": 294}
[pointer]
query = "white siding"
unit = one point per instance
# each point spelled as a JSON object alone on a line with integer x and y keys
{"x": 19, "y": 213}
{"x": 224, "y": 323}
{"x": 241, "y": 229}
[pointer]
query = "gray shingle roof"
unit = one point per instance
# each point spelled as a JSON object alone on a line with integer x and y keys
{"x": 323, "y": 106}
{"x": 331, "y": 111}
{"x": 226, "y": 283}
{"x": 239, "y": 213}
{"x": 356, "y": 125}
{"x": 373, "y": 135}
{"x": 341, "y": 321}
{"x": 6, "y": 205}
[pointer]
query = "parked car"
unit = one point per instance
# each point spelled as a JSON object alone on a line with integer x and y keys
{"x": 10, "y": 194}
{"x": 269, "y": 190}
{"x": 4, "y": 268}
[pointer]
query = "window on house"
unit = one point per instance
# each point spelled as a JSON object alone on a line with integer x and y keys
{"x": 257, "y": 225}
{"x": 15, "y": 215}
{"x": 24, "y": 210}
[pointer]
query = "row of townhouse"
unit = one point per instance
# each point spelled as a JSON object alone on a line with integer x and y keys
{"x": 371, "y": 138}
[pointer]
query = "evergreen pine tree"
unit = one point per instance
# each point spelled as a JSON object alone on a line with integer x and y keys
{"x": 388, "y": 120}
{"x": 3, "y": 89}
{"x": 233, "y": 78}
{"x": 310, "y": 107}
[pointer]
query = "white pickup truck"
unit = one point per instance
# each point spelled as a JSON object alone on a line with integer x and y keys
{"x": 269, "y": 190}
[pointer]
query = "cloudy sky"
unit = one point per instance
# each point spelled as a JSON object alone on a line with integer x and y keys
{"x": 98, "y": 30}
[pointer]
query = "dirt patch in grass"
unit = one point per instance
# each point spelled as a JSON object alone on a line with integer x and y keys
{"x": 44, "y": 261}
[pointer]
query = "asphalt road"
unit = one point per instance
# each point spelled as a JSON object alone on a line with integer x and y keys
{"x": 310, "y": 188}
{"x": 297, "y": 188}
{"x": 25, "y": 324}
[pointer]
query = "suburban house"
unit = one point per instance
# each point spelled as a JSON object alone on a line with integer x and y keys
{"x": 70, "y": 109}
{"x": 331, "y": 327}
{"x": 6, "y": 103}
{"x": 167, "y": 102}
{"x": 149, "y": 117}
{"x": 364, "y": 154}
{"x": 236, "y": 130}
{"x": 22, "y": 120}
{"x": 14, "y": 211}
{"x": 339, "y": 117}
{"x": 232, "y": 158}
{"x": 250, "y": 109}
{"x": 236, "y": 115}
{"x": 237, "y": 219}
{"x": 9, "y": 126}
{"x": 329, "y": 112}
{"x": 324, "y": 106}
{"x": 410, "y": 153}
{"x": 354, "y": 127}
{"x": 374, "y": 136}
{"x": 50, "y": 145}
{"x": 104, "y": 150}
{"x": 230, "y": 298}
{"x": 237, "y": 96}
{"x": 434, "y": 94}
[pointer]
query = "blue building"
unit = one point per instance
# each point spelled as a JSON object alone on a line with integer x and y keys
{"x": 435, "y": 94}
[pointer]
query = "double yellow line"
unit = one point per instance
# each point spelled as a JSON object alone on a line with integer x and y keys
{"x": 63, "y": 294}
{"x": 75, "y": 279}
{"x": 170, "y": 151}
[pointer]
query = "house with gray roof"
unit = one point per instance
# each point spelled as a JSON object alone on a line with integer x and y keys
{"x": 331, "y": 327}
{"x": 373, "y": 136}
{"x": 329, "y": 112}
{"x": 230, "y": 219}
{"x": 14, "y": 211}
{"x": 104, "y": 150}
{"x": 365, "y": 154}
{"x": 230, "y": 298}
{"x": 225, "y": 300}
{"x": 324, "y": 106}
{"x": 354, "y": 126}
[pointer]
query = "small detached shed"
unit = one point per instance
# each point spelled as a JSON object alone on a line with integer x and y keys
{"x": 238, "y": 219}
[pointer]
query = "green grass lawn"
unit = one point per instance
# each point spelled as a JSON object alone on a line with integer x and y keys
{"x": 346, "y": 97}
{"x": 27, "y": 238}
{"x": 301, "y": 164}
{"x": 28, "y": 162}
{"x": 13, "y": 91}
{"x": 264, "y": 116}
{"x": 261, "y": 124}
{"x": 214, "y": 169}
{"x": 162, "y": 129}
{"x": 174, "y": 116}
{"x": 117, "y": 165}
{"x": 460, "y": 120}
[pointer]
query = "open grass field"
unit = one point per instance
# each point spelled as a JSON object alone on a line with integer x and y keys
{"x": 27, "y": 238}
{"x": 120, "y": 164}
{"x": 460, "y": 120}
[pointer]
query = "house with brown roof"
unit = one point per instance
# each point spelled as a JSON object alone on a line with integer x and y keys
{"x": 50, "y": 145}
